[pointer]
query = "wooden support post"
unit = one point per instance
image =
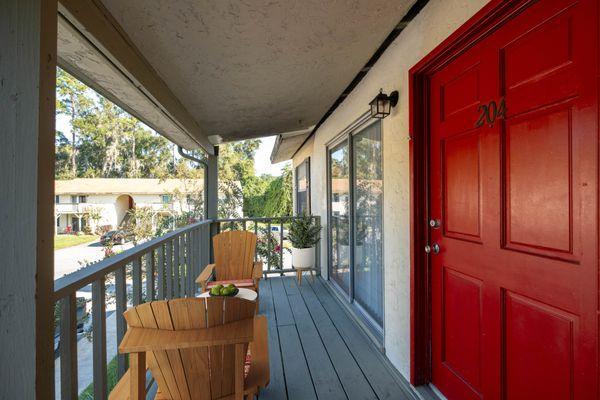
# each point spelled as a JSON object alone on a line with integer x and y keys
{"x": 212, "y": 196}
{"x": 27, "y": 107}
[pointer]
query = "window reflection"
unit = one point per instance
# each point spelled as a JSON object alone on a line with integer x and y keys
{"x": 339, "y": 217}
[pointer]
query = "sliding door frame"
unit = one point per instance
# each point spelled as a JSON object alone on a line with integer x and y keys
{"x": 346, "y": 136}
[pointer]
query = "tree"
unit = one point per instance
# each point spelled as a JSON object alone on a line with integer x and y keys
{"x": 73, "y": 99}
{"x": 278, "y": 197}
{"x": 106, "y": 141}
{"x": 141, "y": 224}
{"x": 236, "y": 171}
{"x": 269, "y": 196}
{"x": 93, "y": 215}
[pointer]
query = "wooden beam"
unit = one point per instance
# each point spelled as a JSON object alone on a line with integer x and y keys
{"x": 96, "y": 23}
{"x": 27, "y": 107}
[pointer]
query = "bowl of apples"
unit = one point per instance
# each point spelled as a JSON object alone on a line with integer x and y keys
{"x": 224, "y": 291}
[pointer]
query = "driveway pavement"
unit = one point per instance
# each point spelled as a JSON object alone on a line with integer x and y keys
{"x": 73, "y": 258}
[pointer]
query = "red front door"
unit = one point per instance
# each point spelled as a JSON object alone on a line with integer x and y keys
{"x": 513, "y": 183}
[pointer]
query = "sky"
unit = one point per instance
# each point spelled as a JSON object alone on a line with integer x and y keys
{"x": 262, "y": 158}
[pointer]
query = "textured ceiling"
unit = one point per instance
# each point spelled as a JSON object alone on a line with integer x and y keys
{"x": 257, "y": 67}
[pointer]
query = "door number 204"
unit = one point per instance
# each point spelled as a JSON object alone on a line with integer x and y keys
{"x": 489, "y": 113}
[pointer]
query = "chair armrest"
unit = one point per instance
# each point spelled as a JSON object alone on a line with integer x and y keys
{"x": 259, "y": 348}
{"x": 257, "y": 270}
{"x": 205, "y": 276}
{"x": 148, "y": 339}
{"x": 132, "y": 385}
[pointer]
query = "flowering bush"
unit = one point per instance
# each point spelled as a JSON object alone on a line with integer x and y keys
{"x": 268, "y": 248}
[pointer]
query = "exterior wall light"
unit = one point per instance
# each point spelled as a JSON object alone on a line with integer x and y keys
{"x": 382, "y": 104}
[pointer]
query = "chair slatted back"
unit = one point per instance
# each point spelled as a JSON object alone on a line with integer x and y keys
{"x": 204, "y": 373}
{"x": 234, "y": 254}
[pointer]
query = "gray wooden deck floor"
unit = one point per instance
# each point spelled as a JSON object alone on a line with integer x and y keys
{"x": 316, "y": 350}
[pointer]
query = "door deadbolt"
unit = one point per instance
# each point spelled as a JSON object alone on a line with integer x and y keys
{"x": 434, "y": 223}
{"x": 434, "y": 248}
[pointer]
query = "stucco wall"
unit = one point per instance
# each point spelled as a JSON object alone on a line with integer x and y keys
{"x": 435, "y": 22}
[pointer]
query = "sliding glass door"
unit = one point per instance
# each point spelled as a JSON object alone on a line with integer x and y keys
{"x": 367, "y": 186}
{"x": 355, "y": 219}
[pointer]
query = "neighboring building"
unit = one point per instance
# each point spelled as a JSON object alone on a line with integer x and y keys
{"x": 112, "y": 198}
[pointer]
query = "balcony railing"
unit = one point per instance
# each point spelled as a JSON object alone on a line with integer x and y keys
{"x": 272, "y": 243}
{"x": 162, "y": 268}
{"x": 63, "y": 208}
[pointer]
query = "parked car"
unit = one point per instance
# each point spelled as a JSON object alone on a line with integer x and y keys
{"x": 118, "y": 236}
{"x": 276, "y": 229}
{"x": 82, "y": 313}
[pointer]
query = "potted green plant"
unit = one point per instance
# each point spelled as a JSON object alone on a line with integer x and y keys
{"x": 305, "y": 233}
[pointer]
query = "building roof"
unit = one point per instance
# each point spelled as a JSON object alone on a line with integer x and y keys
{"x": 126, "y": 186}
{"x": 286, "y": 145}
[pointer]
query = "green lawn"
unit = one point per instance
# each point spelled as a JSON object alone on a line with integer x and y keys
{"x": 63, "y": 241}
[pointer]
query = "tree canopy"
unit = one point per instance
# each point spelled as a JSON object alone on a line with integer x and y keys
{"x": 106, "y": 142}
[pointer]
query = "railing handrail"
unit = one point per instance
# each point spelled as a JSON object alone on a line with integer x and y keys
{"x": 263, "y": 219}
{"x": 92, "y": 272}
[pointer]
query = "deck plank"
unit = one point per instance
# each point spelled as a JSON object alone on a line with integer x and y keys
{"x": 350, "y": 373}
{"x": 276, "y": 389}
{"x": 298, "y": 380}
{"x": 283, "y": 311}
{"x": 381, "y": 380}
{"x": 324, "y": 376}
{"x": 289, "y": 283}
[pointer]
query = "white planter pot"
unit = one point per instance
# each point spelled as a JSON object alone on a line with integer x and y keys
{"x": 303, "y": 258}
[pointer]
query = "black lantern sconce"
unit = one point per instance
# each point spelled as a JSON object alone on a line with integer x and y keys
{"x": 382, "y": 104}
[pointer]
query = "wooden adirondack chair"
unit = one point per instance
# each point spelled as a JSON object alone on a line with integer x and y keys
{"x": 234, "y": 261}
{"x": 195, "y": 348}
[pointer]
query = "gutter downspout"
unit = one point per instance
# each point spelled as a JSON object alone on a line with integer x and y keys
{"x": 205, "y": 165}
